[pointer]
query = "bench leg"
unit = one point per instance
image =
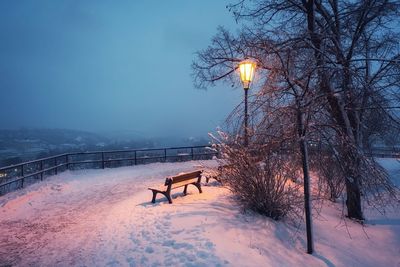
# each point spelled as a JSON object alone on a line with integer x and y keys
{"x": 198, "y": 185}
{"x": 168, "y": 196}
{"x": 154, "y": 196}
{"x": 185, "y": 190}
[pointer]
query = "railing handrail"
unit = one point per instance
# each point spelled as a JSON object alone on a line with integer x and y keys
{"x": 136, "y": 150}
{"x": 18, "y": 165}
{"x": 33, "y": 161}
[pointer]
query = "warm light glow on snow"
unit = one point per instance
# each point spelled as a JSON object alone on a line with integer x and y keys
{"x": 105, "y": 217}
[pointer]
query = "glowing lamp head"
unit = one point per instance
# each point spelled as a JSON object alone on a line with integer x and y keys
{"x": 247, "y": 69}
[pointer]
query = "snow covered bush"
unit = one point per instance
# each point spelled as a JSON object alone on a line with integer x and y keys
{"x": 260, "y": 179}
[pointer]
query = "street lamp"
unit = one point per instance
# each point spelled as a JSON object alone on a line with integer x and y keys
{"x": 246, "y": 68}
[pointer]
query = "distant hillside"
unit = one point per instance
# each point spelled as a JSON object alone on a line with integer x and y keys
{"x": 26, "y": 144}
{"x": 48, "y": 136}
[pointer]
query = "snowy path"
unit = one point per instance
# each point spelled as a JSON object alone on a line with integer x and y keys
{"x": 104, "y": 218}
{"x": 86, "y": 212}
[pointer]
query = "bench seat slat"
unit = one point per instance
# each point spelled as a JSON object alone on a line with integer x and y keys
{"x": 183, "y": 183}
{"x": 161, "y": 188}
{"x": 183, "y": 177}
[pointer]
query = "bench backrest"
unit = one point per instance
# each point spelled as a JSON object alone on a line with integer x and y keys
{"x": 184, "y": 178}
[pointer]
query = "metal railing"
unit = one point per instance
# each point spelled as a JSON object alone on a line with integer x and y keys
{"x": 19, "y": 175}
{"x": 385, "y": 153}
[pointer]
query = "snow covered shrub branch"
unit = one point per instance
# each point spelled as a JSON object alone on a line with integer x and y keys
{"x": 260, "y": 179}
{"x": 330, "y": 175}
{"x": 330, "y": 162}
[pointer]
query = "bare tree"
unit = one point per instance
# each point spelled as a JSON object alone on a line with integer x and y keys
{"x": 352, "y": 54}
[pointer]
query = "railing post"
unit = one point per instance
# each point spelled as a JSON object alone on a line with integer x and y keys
{"x": 191, "y": 150}
{"x": 67, "y": 161}
{"x": 41, "y": 168}
{"x": 22, "y": 175}
{"x": 165, "y": 155}
{"x": 102, "y": 160}
{"x": 135, "y": 158}
{"x": 56, "y": 164}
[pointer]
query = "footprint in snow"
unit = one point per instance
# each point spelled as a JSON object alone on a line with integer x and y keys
{"x": 149, "y": 250}
{"x": 209, "y": 245}
{"x": 177, "y": 231}
{"x": 202, "y": 254}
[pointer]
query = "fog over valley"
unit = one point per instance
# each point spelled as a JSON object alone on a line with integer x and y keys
{"x": 119, "y": 71}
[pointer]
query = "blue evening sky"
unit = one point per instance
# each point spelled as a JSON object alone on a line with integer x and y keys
{"x": 110, "y": 66}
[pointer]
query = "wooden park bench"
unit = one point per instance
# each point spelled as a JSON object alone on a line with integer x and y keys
{"x": 181, "y": 180}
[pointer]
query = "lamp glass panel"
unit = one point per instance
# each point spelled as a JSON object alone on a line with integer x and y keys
{"x": 246, "y": 71}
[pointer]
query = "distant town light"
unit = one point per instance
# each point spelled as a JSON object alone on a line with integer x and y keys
{"x": 247, "y": 68}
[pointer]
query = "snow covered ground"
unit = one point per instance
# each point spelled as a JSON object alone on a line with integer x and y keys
{"x": 105, "y": 218}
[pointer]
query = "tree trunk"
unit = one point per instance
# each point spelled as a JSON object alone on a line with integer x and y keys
{"x": 342, "y": 118}
{"x": 353, "y": 179}
{"x": 306, "y": 176}
{"x": 353, "y": 201}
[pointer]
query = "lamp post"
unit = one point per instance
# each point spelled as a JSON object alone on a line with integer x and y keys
{"x": 246, "y": 68}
